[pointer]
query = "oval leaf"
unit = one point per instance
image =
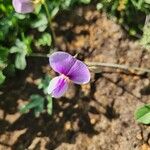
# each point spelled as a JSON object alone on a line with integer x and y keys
{"x": 20, "y": 61}
{"x": 2, "y": 77}
{"x": 142, "y": 114}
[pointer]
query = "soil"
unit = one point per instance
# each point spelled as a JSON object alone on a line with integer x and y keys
{"x": 95, "y": 116}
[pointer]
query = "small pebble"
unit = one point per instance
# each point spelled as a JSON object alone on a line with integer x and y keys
{"x": 93, "y": 121}
{"x": 139, "y": 136}
{"x": 67, "y": 125}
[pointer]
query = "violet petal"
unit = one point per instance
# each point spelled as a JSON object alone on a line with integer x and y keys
{"x": 23, "y": 6}
{"x": 57, "y": 86}
{"x": 66, "y": 64}
{"x": 61, "y": 62}
{"x": 79, "y": 73}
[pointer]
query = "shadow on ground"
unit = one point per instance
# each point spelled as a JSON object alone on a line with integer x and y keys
{"x": 70, "y": 116}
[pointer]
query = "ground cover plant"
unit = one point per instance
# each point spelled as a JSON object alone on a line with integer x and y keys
{"x": 31, "y": 30}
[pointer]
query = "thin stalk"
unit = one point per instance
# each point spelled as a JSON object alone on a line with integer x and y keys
{"x": 97, "y": 65}
{"x": 50, "y": 23}
{"x": 117, "y": 66}
{"x": 39, "y": 55}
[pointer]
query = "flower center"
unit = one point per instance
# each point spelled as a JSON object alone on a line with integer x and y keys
{"x": 66, "y": 78}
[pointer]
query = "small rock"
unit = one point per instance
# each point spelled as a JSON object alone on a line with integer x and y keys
{"x": 67, "y": 125}
{"x": 139, "y": 136}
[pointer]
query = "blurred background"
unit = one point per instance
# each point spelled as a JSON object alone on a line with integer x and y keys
{"x": 95, "y": 116}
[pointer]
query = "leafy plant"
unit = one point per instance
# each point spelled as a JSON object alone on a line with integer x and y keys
{"x": 45, "y": 40}
{"x": 40, "y": 23}
{"x": 142, "y": 115}
{"x": 22, "y": 49}
{"x": 36, "y": 102}
{"x": 24, "y": 28}
{"x": 2, "y": 77}
{"x": 145, "y": 40}
{"x": 130, "y": 13}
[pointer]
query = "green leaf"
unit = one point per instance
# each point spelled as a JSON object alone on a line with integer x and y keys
{"x": 5, "y": 24}
{"x": 2, "y": 77}
{"x": 10, "y": 70}
{"x": 27, "y": 43}
{"x": 36, "y": 103}
{"x": 66, "y": 4}
{"x": 85, "y": 1}
{"x": 99, "y": 6}
{"x": 142, "y": 114}
{"x": 147, "y": 1}
{"x": 145, "y": 40}
{"x": 20, "y": 16}
{"x": 43, "y": 84}
{"x": 20, "y": 61}
{"x": 14, "y": 49}
{"x": 3, "y": 58}
{"x": 2, "y": 64}
{"x": 54, "y": 12}
{"x": 41, "y": 23}
{"x": 37, "y": 9}
{"x": 21, "y": 49}
{"x": 49, "y": 105}
{"x": 44, "y": 40}
{"x": 3, "y": 53}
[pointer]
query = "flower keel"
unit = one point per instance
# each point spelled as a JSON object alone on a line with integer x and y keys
{"x": 70, "y": 69}
{"x": 58, "y": 86}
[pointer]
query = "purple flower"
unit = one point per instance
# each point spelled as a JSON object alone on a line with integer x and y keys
{"x": 69, "y": 69}
{"x": 23, "y": 6}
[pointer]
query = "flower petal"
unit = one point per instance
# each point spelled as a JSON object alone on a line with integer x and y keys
{"x": 57, "y": 86}
{"x": 61, "y": 62}
{"x": 79, "y": 73}
{"x": 66, "y": 64}
{"x": 23, "y": 6}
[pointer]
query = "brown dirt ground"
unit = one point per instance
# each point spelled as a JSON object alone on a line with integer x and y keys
{"x": 96, "y": 116}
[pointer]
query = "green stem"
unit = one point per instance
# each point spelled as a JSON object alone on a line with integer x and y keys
{"x": 95, "y": 66}
{"x": 50, "y": 23}
{"x": 39, "y": 55}
{"x": 47, "y": 11}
